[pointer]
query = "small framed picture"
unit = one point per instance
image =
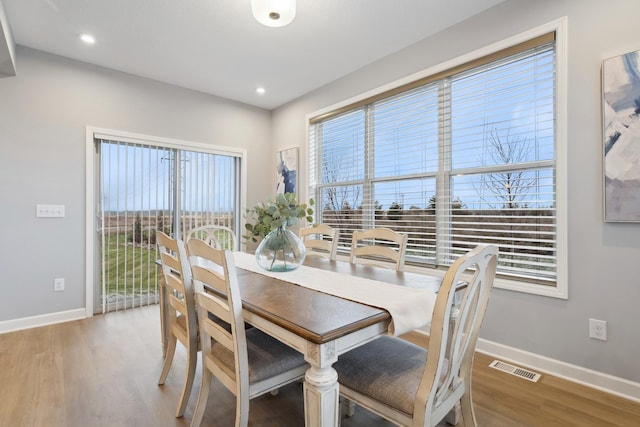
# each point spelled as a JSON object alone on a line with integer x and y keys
{"x": 621, "y": 139}
{"x": 287, "y": 171}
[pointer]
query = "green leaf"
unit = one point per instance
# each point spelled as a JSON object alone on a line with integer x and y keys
{"x": 282, "y": 210}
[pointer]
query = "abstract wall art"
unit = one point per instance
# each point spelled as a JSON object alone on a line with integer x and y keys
{"x": 287, "y": 170}
{"x": 621, "y": 139}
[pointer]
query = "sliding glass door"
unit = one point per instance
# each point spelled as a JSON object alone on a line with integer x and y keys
{"x": 144, "y": 187}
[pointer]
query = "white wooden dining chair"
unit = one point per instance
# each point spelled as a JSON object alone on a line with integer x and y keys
{"x": 181, "y": 315}
{"x": 247, "y": 362}
{"x": 379, "y": 246}
{"x": 409, "y": 386}
{"x": 320, "y": 239}
{"x": 218, "y": 236}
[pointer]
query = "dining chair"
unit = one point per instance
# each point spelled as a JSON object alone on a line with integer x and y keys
{"x": 320, "y": 239}
{"x": 379, "y": 246}
{"x": 181, "y": 314}
{"x": 247, "y": 362}
{"x": 218, "y": 236}
{"x": 409, "y": 386}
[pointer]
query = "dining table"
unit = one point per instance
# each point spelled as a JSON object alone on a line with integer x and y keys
{"x": 324, "y": 323}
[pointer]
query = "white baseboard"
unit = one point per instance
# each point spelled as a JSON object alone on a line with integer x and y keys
{"x": 577, "y": 374}
{"x": 42, "y": 320}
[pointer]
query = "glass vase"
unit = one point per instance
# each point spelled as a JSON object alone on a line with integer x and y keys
{"x": 280, "y": 250}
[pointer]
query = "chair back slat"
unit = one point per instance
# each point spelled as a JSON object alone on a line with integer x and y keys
{"x": 320, "y": 239}
{"x": 379, "y": 246}
{"x": 178, "y": 304}
{"x": 374, "y": 251}
{"x": 170, "y": 262}
{"x": 209, "y": 274}
{"x": 319, "y": 244}
{"x": 211, "y": 305}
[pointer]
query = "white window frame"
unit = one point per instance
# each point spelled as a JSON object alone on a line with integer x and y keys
{"x": 559, "y": 26}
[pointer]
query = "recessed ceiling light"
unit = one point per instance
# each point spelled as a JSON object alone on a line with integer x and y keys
{"x": 87, "y": 38}
{"x": 260, "y": 91}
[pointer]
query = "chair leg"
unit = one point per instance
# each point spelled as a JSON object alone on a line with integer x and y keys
{"x": 468, "y": 414}
{"x": 168, "y": 359}
{"x": 349, "y": 408}
{"x": 192, "y": 360}
{"x": 454, "y": 416}
{"x": 203, "y": 396}
{"x": 242, "y": 410}
{"x": 163, "y": 315}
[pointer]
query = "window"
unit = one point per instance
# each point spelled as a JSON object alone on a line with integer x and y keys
{"x": 462, "y": 156}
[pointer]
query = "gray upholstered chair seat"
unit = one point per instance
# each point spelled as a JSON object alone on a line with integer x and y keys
{"x": 387, "y": 369}
{"x": 267, "y": 356}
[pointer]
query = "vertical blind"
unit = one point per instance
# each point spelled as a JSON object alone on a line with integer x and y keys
{"x": 464, "y": 158}
{"x": 144, "y": 188}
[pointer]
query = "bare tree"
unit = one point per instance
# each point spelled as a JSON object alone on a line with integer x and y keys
{"x": 511, "y": 187}
{"x": 338, "y": 198}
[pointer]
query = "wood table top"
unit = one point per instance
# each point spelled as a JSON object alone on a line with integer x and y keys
{"x": 316, "y": 316}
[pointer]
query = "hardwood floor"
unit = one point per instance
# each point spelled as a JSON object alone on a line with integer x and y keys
{"x": 103, "y": 372}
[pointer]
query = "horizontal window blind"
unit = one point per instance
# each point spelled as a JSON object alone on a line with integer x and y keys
{"x": 464, "y": 159}
{"x": 405, "y": 129}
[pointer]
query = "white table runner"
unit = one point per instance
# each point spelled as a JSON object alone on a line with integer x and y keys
{"x": 409, "y": 308}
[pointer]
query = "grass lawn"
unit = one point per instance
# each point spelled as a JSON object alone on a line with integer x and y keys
{"x": 129, "y": 269}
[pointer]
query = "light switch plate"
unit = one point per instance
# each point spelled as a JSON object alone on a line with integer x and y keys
{"x": 49, "y": 211}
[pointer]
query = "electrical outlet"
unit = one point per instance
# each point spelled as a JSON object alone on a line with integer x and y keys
{"x": 58, "y": 284}
{"x": 598, "y": 329}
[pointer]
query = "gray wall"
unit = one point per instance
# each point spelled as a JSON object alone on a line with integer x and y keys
{"x": 44, "y": 111}
{"x": 603, "y": 258}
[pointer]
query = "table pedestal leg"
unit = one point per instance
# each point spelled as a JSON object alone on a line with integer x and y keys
{"x": 321, "y": 395}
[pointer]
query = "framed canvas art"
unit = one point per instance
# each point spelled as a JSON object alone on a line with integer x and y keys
{"x": 287, "y": 178}
{"x": 621, "y": 139}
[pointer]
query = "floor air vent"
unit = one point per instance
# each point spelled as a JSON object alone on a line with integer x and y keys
{"x": 514, "y": 370}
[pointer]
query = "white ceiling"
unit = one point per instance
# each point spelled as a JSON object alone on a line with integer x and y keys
{"x": 216, "y": 47}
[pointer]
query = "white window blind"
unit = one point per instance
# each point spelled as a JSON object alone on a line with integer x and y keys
{"x": 461, "y": 158}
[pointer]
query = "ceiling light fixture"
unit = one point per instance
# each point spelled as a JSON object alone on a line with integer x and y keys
{"x": 274, "y": 13}
{"x": 260, "y": 91}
